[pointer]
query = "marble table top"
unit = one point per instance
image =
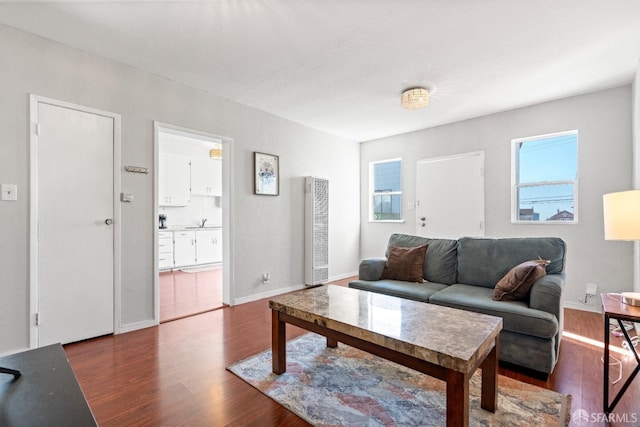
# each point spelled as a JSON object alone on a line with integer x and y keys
{"x": 448, "y": 337}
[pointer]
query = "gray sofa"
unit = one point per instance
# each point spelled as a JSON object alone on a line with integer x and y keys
{"x": 463, "y": 273}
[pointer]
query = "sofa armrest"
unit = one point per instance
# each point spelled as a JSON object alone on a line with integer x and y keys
{"x": 546, "y": 294}
{"x": 371, "y": 268}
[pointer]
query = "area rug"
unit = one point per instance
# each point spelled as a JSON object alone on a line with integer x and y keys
{"x": 344, "y": 386}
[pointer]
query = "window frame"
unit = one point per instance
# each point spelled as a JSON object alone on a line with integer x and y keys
{"x": 515, "y": 185}
{"x": 372, "y": 192}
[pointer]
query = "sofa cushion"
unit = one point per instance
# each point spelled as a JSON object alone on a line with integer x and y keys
{"x": 440, "y": 261}
{"x": 483, "y": 261}
{"x": 516, "y": 315}
{"x": 405, "y": 264}
{"x": 397, "y": 288}
{"x": 371, "y": 268}
{"x": 517, "y": 283}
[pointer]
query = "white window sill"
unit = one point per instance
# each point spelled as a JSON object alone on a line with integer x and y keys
{"x": 544, "y": 222}
{"x": 396, "y": 221}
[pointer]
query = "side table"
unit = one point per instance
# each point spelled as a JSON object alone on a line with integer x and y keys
{"x": 614, "y": 308}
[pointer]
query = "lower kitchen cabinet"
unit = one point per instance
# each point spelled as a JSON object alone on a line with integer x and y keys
{"x": 165, "y": 250}
{"x": 189, "y": 247}
{"x": 184, "y": 248}
{"x": 208, "y": 246}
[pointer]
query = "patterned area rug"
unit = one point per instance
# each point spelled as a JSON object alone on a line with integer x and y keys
{"x": 344, "y": 386}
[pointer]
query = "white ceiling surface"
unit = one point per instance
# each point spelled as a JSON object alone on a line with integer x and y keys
{"x": 340, "y": 65}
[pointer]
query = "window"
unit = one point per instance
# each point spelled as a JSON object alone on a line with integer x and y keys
{"x": 386, "y": 191}
{"x": 545, "y": 178}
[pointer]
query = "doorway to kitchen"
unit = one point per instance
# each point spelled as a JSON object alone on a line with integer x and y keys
{"x": 192, "y": 222}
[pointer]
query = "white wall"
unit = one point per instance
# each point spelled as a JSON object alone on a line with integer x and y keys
{"x": 268, "y": 230}
{"x": 605, "y": 165}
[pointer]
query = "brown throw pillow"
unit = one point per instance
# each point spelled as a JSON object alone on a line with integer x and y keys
{"x": 517, "y": 283}
{"x": 405, "y": 264}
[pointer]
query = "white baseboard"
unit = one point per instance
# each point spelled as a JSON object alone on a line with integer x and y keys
{"x": 10, "y": 352}
{"x": 267, "y": 294}
{"x": 274, "y": 292}
{"x": 123, "y": 329}
{"x": 135, "y": 326}
{"x": 343, "y": 276}
{"x": 583, "y": 307}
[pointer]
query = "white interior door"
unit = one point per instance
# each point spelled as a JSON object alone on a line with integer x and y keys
{"x": 75, "y": 231}
{"x": 450, "y": 196}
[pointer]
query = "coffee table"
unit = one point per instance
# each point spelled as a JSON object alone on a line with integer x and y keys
{"x": 446, "y": 343}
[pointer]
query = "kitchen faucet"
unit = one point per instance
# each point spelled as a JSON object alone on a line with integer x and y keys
{"x": 203, "y": 221}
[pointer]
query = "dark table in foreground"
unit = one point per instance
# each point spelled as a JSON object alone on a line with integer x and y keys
{"x": 443, "y": 342}
{"x": 614, "y": 308}
{"x": 47, "y": 393}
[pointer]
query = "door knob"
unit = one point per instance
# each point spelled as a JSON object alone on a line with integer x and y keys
{"x": 108, "y": 221}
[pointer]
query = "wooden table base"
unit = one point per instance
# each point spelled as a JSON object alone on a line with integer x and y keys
{"x": 457, "y": 382}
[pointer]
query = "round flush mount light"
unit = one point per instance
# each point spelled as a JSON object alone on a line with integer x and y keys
{"x": 414, "y": 98}
{"x": 216, "y": 152}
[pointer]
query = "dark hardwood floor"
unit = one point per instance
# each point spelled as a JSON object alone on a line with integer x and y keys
{"x": 174, "y": 374}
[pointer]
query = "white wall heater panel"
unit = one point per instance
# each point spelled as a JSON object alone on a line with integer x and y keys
{"x": 316, "y": 223}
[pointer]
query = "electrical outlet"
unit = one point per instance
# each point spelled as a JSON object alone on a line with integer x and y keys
{"x": 592, "y": 289}
{"x": 266, "y": 277}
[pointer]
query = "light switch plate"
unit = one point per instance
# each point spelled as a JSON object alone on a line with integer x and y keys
{"x": 9, "y": 192}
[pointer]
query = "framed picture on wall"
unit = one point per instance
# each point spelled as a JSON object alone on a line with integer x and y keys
{"x": 267, "y": 174}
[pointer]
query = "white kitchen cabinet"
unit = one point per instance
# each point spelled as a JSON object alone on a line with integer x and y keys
{"x": 206, "y": 177}
{"x": 174, "y": 175}
{"x": 184, "y": 248}
{"x": 209, "y": 246}
{"x": 165, "y": 250}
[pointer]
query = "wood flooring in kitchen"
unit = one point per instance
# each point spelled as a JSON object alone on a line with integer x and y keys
{"x": 189, "y": 292}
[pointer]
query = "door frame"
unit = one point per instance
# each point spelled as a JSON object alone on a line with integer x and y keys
{"x": 34, "y": 101}
{"x": 227, "y": 208}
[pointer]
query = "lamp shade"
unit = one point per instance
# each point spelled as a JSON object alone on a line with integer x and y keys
{"x": 622, "y": 215}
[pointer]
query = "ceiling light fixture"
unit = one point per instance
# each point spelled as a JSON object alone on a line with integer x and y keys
{"x": 216, "y": 153}
{"x": 414, "y": 98}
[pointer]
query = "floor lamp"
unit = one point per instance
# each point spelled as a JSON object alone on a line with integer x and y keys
{"x": 622, "y": 222}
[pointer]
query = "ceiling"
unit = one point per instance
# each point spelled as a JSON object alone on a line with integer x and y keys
{"x": 340, "y": 65}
